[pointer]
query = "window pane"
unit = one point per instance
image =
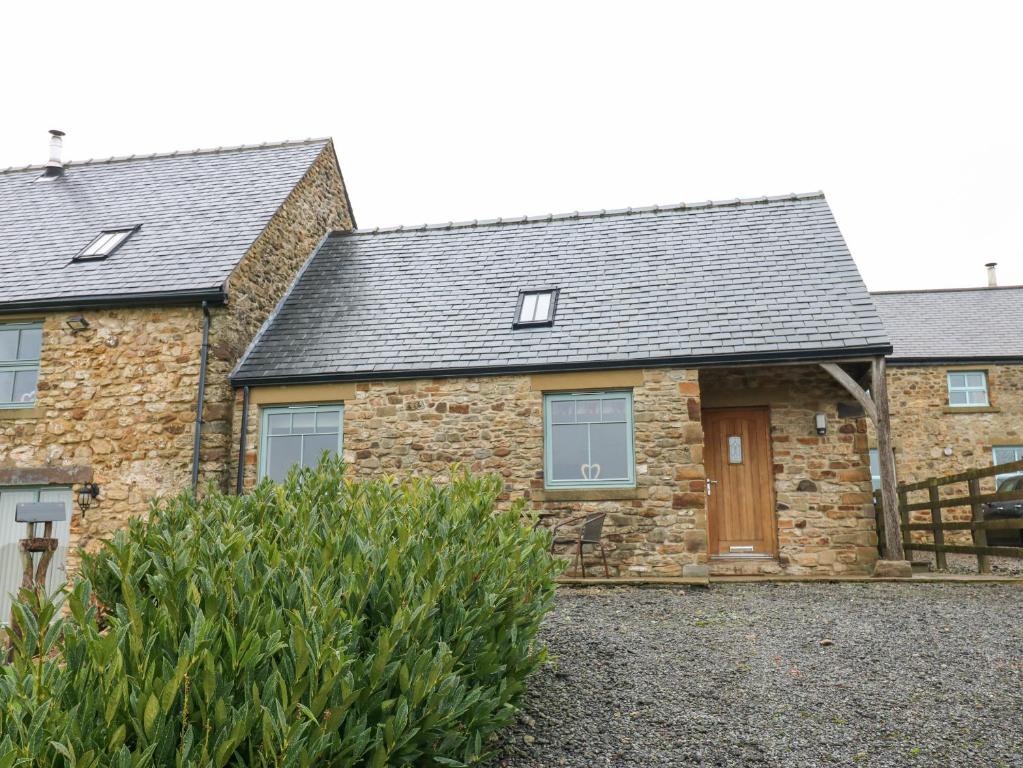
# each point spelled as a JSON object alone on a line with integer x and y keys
{"x": 8, "y": 345}
{"x": 25, "y": 386}
{"x": 975, "y": 379}
{"x": 615, "y": 409}
{"x": 115, "y": 240}
{"x": 568, "y": 451}
{"x": 327, "y": 421}
{"x": 282, "y": 453}
{"x": 957, "y": 380}
{"x": 97, "y": 245}
{"x": 562, "y": 411}
{"x": 6, "y": 386}
{"x": 31, "y": 342}
{"x": 958, "y": 398}
{"x": 528, "y": 308}
{"x": 543, "y": 306}
{"x": 609, "y": 451}
{"x": 303, "y": 423}
{"x": 587, "y": 410}
{"x": 314, "y": 447}
{"x": 279, "y": 423}
{"x": 977, "y": 397}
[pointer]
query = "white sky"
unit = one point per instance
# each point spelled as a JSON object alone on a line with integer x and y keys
{"x": 906, "y": 114}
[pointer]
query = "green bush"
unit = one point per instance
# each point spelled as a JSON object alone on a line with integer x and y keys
{"x": 320, "y": 622}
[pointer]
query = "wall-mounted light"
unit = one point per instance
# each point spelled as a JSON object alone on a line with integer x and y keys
{"x": 77, "y": 323}
{"x": 88, "y": 493}
{"x": 820, "y": 422}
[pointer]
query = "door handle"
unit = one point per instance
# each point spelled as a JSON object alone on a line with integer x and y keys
{"x": 709, "y": 483}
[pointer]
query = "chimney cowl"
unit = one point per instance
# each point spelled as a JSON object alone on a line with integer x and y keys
{"x": 55, "y": 166}
{"x": 992, "y": 278}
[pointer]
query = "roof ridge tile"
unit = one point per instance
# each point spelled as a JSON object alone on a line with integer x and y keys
{"x": 175, "y": 153}
{"x": 577, "y": 215}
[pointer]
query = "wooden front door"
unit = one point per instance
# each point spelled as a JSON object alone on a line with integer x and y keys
{"x": 740, "y": 504}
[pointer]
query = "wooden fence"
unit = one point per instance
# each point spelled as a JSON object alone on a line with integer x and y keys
{"x": 937, "y": 502}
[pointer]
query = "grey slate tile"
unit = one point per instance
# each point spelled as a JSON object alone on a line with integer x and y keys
{"x": 770, "y": 276}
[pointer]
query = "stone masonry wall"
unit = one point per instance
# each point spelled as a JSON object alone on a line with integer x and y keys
{"x": 317, "y": 205}
{"x": 822, "y": 483}
{"x": 924, "y": 426}
{"x": 117, "y": 400}
{"x": 495, "y": 424}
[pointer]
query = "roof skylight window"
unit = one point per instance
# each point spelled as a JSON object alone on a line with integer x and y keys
{"x": 108, "y": 241}
{"x": 536, "y": 308}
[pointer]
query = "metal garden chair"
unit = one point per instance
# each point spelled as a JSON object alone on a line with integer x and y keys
{"x": 590, "y": 533}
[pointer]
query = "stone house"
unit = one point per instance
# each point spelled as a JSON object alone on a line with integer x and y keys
{"x": 130, "y": 288}
{"x": 686, "y": 370}
{"x": 955, "y": 379}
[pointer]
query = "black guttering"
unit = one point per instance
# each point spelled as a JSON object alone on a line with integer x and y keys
{"x": 149, "y": 299}
{"x": 204, "y": 354}
{"x": 691, "y": 361}
{"x": 904, "y": 362}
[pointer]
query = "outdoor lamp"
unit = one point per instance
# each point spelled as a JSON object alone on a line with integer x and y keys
{"x": 820, "y": 421}
{"x": 87, "y": 494}
{"x": 77, "y": 323}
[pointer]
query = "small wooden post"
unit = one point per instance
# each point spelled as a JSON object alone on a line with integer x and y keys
{"x": 886, "y": 459}
{"x": 979, "y": 534}
{"x": 939, "y": 533}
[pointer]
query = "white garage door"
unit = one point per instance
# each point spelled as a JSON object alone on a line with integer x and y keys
{"x": 11, "y": 533}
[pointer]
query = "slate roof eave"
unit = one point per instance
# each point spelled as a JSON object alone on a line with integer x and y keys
{"x": 213, "y": 295}
{"x": 688, "y": 361}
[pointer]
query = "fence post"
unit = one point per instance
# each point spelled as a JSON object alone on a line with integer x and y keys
{"x": 937, "y": 531}
{"x": 979, "y": 534}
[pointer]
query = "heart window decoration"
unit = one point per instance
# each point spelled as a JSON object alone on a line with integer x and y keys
{"x": 590, "y": 471}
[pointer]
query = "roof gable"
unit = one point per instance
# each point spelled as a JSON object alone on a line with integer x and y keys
{"x": 197, "y": 214}
{"x": 766, "y": 279}
{"x": 948, "y": 325}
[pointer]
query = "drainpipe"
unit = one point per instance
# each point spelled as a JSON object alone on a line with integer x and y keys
{"x": 204, "y": 354}
{"x": 243, "y": 442}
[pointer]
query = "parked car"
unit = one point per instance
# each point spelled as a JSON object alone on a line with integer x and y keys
{"x": 1006, "y": 510}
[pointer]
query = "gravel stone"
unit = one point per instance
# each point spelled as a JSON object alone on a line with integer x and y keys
{"x": 737, "y": 675}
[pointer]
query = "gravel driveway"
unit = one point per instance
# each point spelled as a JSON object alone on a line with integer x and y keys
{"x": 778, "y": 675}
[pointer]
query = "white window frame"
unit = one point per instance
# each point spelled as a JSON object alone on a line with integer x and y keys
{"x": 24, "y": 364}
{"x": 265, "y": 436}
{"x": 1018, "y": 453}
{"x": 968, "y": 390}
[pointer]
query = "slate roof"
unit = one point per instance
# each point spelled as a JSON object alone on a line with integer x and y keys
{"x": 949, "y": 325}
{"x": 198, "y": 214}
{"x": 742, "y": 280}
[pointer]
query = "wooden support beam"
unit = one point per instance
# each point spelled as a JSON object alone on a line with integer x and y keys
{"x": 886, "y": 458}
{"x": 875, "y": 406}
{"x": 853, "y": 388}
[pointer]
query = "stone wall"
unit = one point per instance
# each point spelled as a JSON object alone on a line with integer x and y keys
{"x": 116, "y": 400}
{"x": 495, "y": 424}
{"x": 821, "y": 483}
{"x": 924, "y": 427}
{"x": 317, "y": 205}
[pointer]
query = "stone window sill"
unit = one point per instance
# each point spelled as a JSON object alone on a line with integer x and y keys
{"x": 590, "y": 494}
{"x": 9, "y": 414}
{"x": 971, "y": 409}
